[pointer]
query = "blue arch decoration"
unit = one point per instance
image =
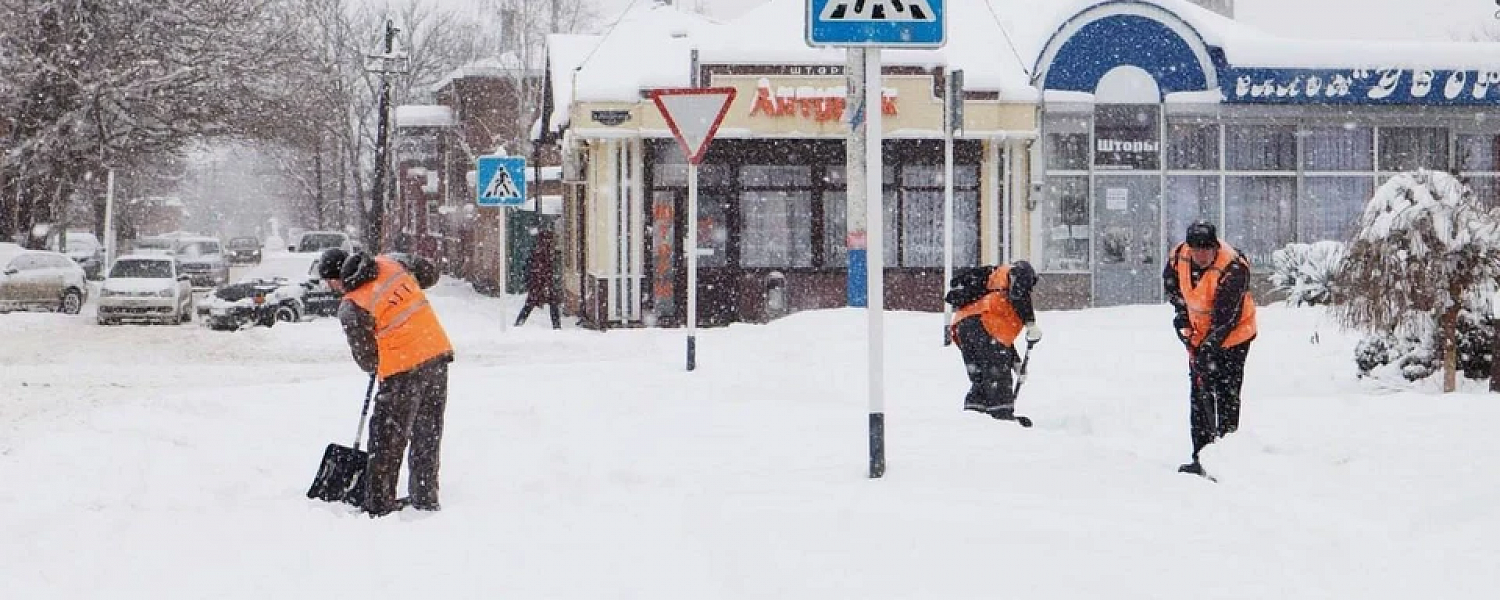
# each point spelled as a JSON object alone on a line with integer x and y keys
{"x": 1126, "y": 39}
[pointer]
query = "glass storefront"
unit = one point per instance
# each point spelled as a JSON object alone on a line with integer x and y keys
{"x": 1267, "y": 178}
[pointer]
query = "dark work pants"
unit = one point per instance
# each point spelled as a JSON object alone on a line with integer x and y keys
{"x": 1216, "y": 394}
{"x": 989, "y": 363}
{"x": 526, "y": 312}
{"x": 409, "y": 408}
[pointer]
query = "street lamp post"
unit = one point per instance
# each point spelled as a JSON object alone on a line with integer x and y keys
{"x": 385, "y": 64}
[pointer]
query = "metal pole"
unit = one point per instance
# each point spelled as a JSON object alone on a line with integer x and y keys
{"x": 109, "y": 220}
{"x": 692, "y": 267}
{"x": 876, "y": 254}
{"x": 948, "y": 126}
{"x": 854, "y": 180}
{"x": 377, "y": 191}
{"x": 696, "y": 80}
{"x": 503, "y": 252}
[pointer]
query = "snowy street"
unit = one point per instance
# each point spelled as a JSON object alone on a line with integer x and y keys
{"x": 171, "y": 462}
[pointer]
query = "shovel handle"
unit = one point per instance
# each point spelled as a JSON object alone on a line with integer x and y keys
{"x": 364, "y": 412}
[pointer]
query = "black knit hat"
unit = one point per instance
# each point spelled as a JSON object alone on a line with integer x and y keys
{"x": 331, "y": 262}
{"x": 1202, "y": 234}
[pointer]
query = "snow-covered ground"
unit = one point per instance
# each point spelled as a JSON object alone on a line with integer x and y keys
{"x": 171, "y": 462}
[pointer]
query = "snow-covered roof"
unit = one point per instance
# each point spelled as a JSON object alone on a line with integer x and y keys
{"x": 424, "y": 115}
{"x": 505, "y": 65}
{"x": 565, "y": 52}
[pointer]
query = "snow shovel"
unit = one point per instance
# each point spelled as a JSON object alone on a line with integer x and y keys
{"x": 1020, "y": 379}
{"x": 341, "y": 477}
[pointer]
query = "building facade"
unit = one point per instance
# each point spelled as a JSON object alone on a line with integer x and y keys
{"x": 1132, "y": 119}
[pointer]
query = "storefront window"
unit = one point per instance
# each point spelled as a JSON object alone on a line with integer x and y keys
{"x": 1260, "y": 148}
{"x": 1410, "y": 148}
{"x": 1192, "y": 147}
{"x": 1258, "y": 214}
{"x": 776, "y": 228}
{"x": 1330, "y": 207}
{"x": 1477, "y": 153}
{"x": 713, "y": 229}
{"x": 1127, "y": 136}
{"x": 1065, "y": 224}
{"x": 1338, "y": 149}
{"x": 922, "y": 220}
{"x": 1067, "y": 142}
{"x": 667, "y": 175}
{"x": 1189, "y": 198}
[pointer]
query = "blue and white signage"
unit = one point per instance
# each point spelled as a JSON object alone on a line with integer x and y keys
{"x": 877, "y": 23}
{"x": 501, "y": 181}
{"x": 1436, "y": 87}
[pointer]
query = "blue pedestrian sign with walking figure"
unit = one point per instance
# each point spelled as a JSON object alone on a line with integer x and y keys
{"x": 501, "y": 181}
{"x": 877, "y": 23}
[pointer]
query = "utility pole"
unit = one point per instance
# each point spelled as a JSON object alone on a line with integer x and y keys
{"x": 385, "y": 64}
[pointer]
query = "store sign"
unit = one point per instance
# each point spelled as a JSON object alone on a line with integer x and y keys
{"x": 821, "y": 104}
{"x": 1361, "y": 86}
{"x": 611, "y": 118}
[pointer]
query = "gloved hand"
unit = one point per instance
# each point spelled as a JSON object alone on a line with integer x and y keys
{"x": 1033, "y": 332}
{"x": 1183, "y": 328}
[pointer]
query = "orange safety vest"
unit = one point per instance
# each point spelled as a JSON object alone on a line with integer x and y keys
{"x": 407, "y": 332}
{"x": 994, "y": 310}
{"x": 1200, "y": 298}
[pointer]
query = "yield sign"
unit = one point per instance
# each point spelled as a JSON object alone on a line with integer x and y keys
{"x": 694, "y": 114}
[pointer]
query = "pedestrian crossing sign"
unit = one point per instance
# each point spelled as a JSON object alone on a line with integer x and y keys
{"x": 502, "y": 181}
{"x": 877, "y": 23}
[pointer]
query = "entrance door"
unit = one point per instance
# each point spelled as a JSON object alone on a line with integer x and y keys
{"x": 1127, "y": 239}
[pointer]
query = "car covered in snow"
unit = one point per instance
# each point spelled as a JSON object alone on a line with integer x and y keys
{"x": 84, "y": 248}
{"x": 255, "y": 301}
{"x": 149, "y": 287}
{"x": 243, "y": 250}
{"x": 203, "y": 260}
{"x": 39, "y": 279}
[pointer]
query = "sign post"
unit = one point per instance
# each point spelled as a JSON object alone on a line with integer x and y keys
{"x": 864, "y": 27}
{"x": 693, "y": 115}
{"x": 501, "y": 182}
{"x": 953, "y": 120}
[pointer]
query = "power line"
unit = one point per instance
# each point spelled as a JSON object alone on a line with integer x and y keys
{"x": 1008, "y": 42}
{"x": 605, "y": 35}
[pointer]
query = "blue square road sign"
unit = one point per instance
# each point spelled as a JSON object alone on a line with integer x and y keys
{"x": 501, "y": 181}
{"x": 877, "y": 23}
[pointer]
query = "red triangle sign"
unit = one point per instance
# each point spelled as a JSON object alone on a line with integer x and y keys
{"x": 694, "y": 115}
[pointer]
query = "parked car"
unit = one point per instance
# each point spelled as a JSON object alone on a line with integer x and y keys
{"x": 319, "y": 299}
{"x": 318, "y": 241}
{"x": 250, "y": 302}
{"x": 244, "y": 250}
{"x": 149, "y": 287}
{"x": 202, "y": 258}
{"x": 153, "y": 245}
{"x": 84, "y": 249}
{"x": 40, "y": 279}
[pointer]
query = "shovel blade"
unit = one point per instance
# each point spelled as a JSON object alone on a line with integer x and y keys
{"x": 341, "y": 475}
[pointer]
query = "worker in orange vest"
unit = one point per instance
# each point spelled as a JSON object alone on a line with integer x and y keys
{"x": 394, "y": 333}
{"x": 1208, "y": 284}
{"x": 993, "y": 306}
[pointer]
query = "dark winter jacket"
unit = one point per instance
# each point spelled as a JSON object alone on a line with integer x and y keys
{"x": 359, "y": 325}
{"x": 1233, "y": 286}
{"x": 540, "y": 269}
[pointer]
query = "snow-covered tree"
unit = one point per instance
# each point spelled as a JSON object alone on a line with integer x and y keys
{"x": 1307, "y": 272}
{"x": 95, "y": 84}
{"x": 1425, "y": 250}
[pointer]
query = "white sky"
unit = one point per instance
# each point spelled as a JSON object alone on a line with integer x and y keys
{"x": 1319, "y": 19}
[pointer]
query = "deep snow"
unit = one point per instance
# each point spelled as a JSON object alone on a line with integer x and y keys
{"x": 171, "y": 462}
